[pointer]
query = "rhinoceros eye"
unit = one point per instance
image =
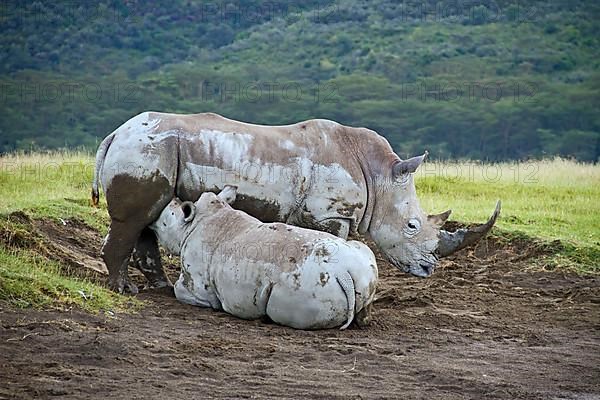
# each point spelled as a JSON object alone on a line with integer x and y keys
{"x": 412, "y": 227}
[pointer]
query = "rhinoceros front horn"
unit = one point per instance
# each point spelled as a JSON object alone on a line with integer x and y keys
{"x": 451, "y": 242}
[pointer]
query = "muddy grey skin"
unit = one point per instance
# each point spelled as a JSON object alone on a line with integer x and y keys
{"x": 315, "y": 174}
{"x": 296, "y": 277}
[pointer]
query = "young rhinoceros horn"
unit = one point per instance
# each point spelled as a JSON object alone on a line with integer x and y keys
{"x": 451, "y": 242}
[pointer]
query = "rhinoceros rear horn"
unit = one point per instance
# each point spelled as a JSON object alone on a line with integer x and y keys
{"x": 408, "y": 166}
{"x": 451, "y": 242}
{"x": 439, "y": 219}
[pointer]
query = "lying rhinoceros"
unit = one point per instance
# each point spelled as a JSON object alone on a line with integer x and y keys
{"x": 297, "y": 277}
{"x": 316, "y": 174}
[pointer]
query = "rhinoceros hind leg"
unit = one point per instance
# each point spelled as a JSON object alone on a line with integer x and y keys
{"x": 146, "y": 258}
{"x": 116, "y": 252}
{"x": 363, "y": 318}
{"x": 122, "y": 284}
{"x": 133, "y": 203}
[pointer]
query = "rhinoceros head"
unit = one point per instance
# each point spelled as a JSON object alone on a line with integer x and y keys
{"x": 170, "y": 227}
{"x": 175, "y": 220}
{"x": 410, "y": 239}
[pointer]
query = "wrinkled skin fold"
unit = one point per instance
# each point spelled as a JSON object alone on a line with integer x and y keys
{"x": 315, "y": 174}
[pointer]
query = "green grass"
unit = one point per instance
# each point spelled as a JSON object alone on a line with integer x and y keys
{"x": 56, "y": 186}
{"x": 51, "y": 185}
{"x": 546, "y": 200}
{"x": 543, "y": 201}
{"x": 30, "y": 280}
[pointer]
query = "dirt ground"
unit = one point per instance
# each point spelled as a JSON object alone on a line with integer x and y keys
{"x": 483, "y": 327}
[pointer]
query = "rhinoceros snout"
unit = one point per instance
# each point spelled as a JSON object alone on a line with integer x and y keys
{"x": 422, "y": 270}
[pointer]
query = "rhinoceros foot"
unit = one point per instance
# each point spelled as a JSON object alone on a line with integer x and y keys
{"x": 122, "y": 285}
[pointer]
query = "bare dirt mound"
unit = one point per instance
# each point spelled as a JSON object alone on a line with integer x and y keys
{"x": 71, "y": 242}
{"x": 483, "y": 327}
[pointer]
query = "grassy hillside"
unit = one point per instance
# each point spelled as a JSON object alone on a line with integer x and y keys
{"x": 501, "y": 80}
{"x": 543, "y": 202}
{"x": 55, "y": 187}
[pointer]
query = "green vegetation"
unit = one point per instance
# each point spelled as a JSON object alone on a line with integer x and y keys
{"x": 547, "y": 199}
{"x": 29, "y": 280}
{"x": 497, "y": 81}
{"x": 542, "y": 202}
{"x": 54, "y": 186}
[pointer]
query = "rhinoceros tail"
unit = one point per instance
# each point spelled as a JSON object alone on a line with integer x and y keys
{"x": 347, "y": 283}
{"x": 100, "y": 156}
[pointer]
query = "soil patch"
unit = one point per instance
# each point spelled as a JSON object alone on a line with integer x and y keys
{"x": 71, "y": 242}
{"x": 482, "y": 327}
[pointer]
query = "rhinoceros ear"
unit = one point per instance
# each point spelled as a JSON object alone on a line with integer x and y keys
{"x": 408, "y": 166}
{"x": 228, "y": 194}
{"x": 189, "y": 211}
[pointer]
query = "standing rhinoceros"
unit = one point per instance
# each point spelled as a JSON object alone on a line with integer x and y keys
{"x": 233, "y": 262}
{"x": 315, "y": 174}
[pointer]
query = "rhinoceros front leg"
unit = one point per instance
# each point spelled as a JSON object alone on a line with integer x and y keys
{"x": 339, "y": 227}
{"x": 146, "y": 258}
